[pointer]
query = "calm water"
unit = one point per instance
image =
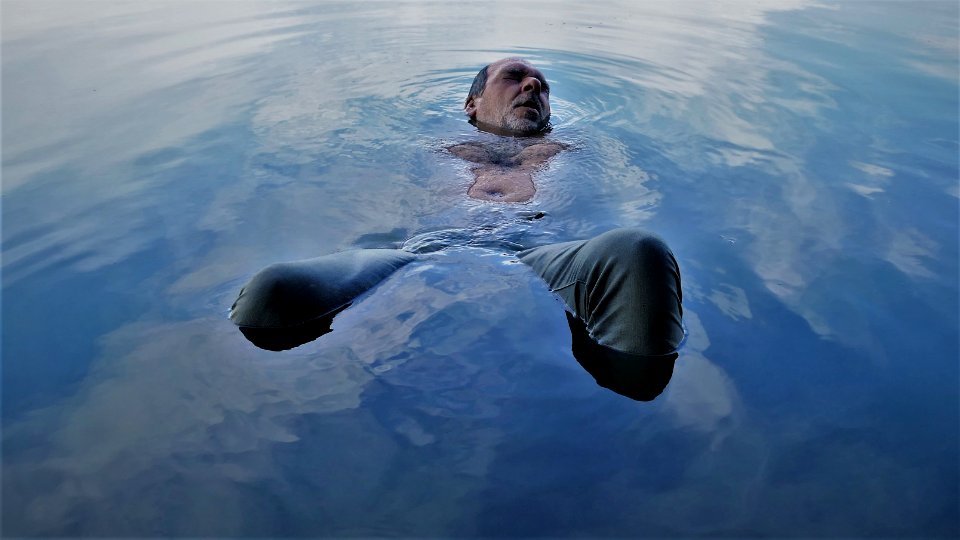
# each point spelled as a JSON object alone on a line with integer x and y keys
{"x": 800, "y": 158}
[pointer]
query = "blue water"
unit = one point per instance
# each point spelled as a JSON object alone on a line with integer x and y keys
{"x": 801, "y": 159}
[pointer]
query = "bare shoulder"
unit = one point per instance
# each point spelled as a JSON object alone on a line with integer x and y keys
{"x": 471, "y": 151}
{"x": 536, "y": 154}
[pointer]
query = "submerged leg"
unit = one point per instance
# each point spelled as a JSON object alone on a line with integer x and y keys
{"x": 623, "y": 284}
{"x": 288, "y": 304}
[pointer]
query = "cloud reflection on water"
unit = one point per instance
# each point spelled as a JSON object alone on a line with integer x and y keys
{"x": 279, "y": 131}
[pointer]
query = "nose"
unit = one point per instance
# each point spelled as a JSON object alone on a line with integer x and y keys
{"x": 531, "y": 84}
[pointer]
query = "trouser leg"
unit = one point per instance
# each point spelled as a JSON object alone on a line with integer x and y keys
{"x": 623, "y": 284}
{"x": 288, "y": 304}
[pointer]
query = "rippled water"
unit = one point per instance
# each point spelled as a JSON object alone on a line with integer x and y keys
{"x": 800, "y": 158}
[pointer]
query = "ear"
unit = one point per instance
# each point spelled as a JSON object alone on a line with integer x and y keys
{"x": 470, "y": 108}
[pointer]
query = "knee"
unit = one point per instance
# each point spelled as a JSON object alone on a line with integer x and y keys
{"x": 636, "y": 279}
{"x": 279, "y": 309}
{"x": 274, "y": 297}
{"x": 293, "y": 293}
{"x": 636, "y": 248}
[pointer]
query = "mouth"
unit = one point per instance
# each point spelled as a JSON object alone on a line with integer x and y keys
{"x": 531, "y": 105}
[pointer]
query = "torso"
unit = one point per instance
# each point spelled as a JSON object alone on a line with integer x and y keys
{"x": 504, "y": 171}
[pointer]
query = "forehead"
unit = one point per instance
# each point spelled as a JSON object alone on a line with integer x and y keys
{"x": 517, "y": 67}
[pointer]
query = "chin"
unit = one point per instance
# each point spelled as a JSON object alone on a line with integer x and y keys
{"x": 524, "y": 126}
{"x": 514, "y": 126}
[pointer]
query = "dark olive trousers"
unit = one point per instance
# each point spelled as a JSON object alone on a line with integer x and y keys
{"x": 624, "y": 285}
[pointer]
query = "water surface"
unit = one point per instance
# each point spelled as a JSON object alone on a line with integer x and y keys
{"x": 800, "y": 158}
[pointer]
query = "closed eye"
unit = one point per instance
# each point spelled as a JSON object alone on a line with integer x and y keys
{"x": 519, "y": 74}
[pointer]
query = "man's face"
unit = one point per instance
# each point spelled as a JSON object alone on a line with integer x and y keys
{"x": 516, "y": 99}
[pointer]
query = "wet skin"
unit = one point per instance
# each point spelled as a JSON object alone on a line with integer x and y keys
{"x": 505, "y": 174}
{"x": 515, "y": 102}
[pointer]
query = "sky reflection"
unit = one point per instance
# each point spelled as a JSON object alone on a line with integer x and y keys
{"x": 799, "y": 157}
